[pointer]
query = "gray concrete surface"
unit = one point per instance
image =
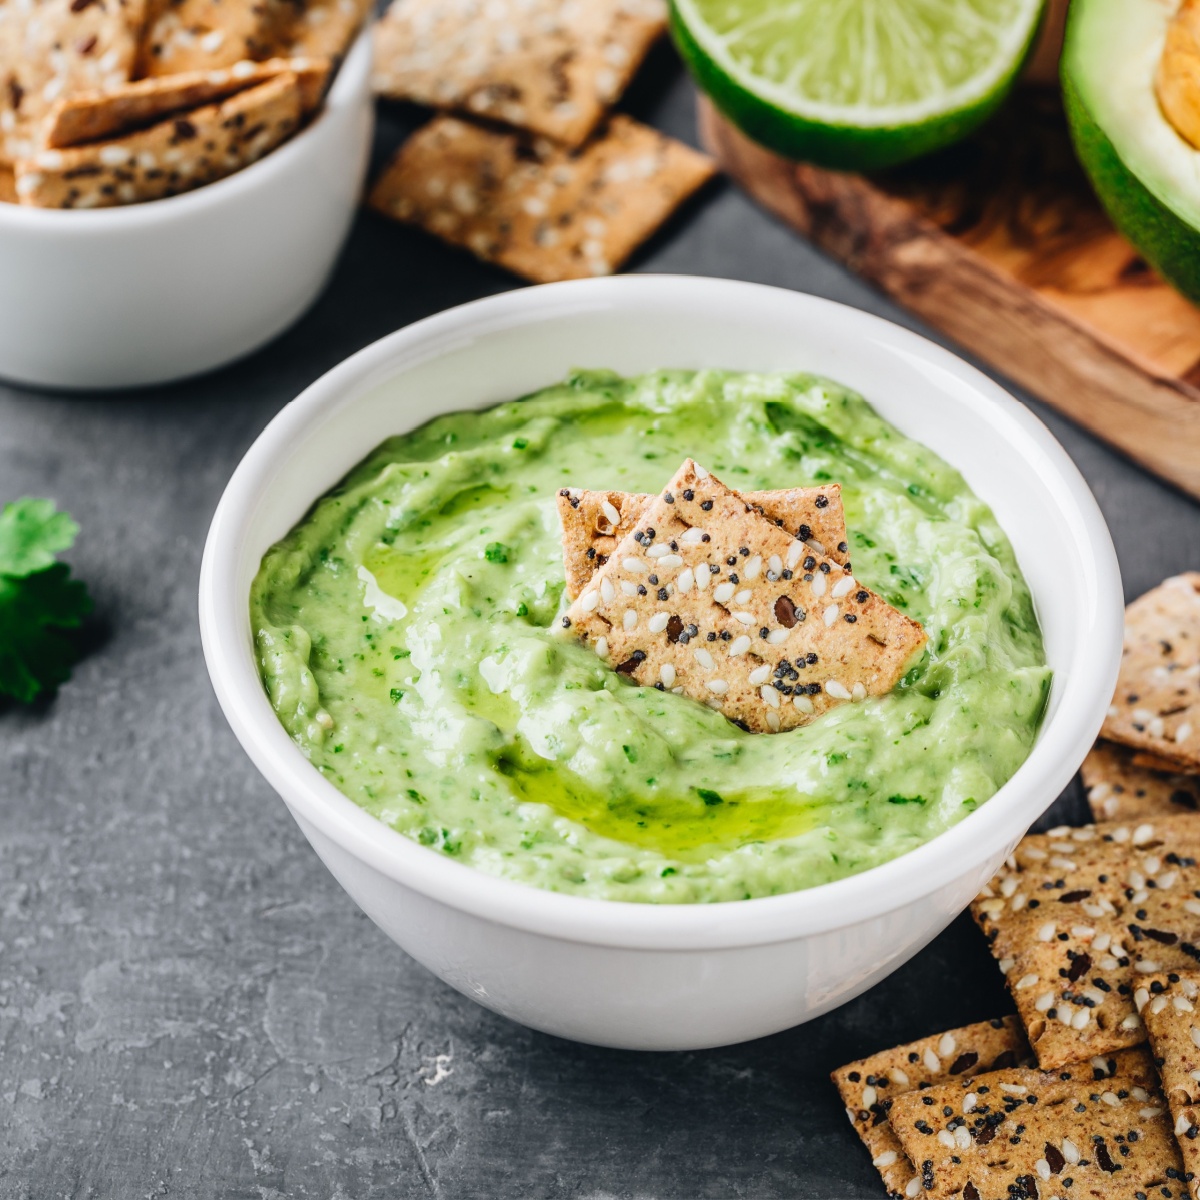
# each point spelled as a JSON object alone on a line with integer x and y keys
{"x": 191, "y": 1007}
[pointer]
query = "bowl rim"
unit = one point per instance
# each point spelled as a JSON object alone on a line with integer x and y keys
{"x": 989, "y": 832}
{"x": 351, "y": 79}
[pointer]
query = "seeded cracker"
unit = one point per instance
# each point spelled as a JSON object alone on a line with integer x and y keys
{"x": 91, "y": 116}
{"x": 1022, "y": 1135}
{"x": 1156, "y": 707}
{"x": 8, "y": 186}
{"x": 552, "y": 67}
{"x": 173, "y": 156}
{"x": 594, "y": 522}
{"x": 56, "y": 47}
{"x": 709, "y": 599}
{"x": 1119, "y": 790}
{"x": 203, "y": 35}
{"x": 1172, "y": 1018}
{"x": 543, "y": 213}
{"x": 869, "y": 1087}
{"x": 1078, "y": 918}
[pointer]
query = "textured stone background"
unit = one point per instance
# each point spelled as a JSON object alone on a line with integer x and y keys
{"x": 191, "y": 1007}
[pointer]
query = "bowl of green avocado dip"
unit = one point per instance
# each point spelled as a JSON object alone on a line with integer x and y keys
{"x": 610, "y": 861}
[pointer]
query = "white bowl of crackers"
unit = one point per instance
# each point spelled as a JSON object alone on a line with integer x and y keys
{"x": 668, "y": 976}
{"x": 176, "y": 185}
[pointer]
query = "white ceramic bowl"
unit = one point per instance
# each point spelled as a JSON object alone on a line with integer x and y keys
{"x": 118, "y": 297}
{"x": 686, "y": 976}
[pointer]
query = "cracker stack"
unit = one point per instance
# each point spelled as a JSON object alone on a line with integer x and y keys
{"x": 563, "y": 191}
{"x": 1097, "y": 931}
{"x": 119, "y": 101}
{"x": 708, "y": 596}
{"x": 870, "y": 1087}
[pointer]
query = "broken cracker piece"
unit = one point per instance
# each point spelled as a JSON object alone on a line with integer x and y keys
{"x": 540, "y": 65}
{"x": 1079, "y": 917}
{"x": 176, "y": 155}
{"x": 1172, "y": 1017}
{"x": 594, "y": 522}
{"x": 91, "y": 116}
{"x": 54, "y": 48}
{"x": 1020, "y": 1133}
{"x": 708, "y": 598}
{"x": 1120, "y": 790}
{"x": 869, "y": 1087}
{"x": 1156, "y": 707}
{"x": 542, "y": 213}
{"x": 325, "y": 28}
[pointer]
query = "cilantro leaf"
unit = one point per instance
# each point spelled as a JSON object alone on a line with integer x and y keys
{"x": 39, "y": 601}
{"x": 32, "y": 532}
{"x": 35, "y": 656}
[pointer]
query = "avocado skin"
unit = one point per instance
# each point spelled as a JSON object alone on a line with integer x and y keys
{"x": 840, "y": 148}
{"x": 1167, "y": 242}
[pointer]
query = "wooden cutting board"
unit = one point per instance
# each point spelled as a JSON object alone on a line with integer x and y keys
{"x": 999, "y": 243}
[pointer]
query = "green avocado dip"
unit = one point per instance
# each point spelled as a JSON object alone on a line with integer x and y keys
{"x": 406, "y": 634}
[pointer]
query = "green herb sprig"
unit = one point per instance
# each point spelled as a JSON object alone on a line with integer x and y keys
{"x": 39, "y": 601}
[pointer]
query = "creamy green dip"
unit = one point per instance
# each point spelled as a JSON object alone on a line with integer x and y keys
{"x": 406, "y": 632}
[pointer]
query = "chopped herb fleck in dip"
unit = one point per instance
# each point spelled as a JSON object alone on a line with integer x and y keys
{"x": 406, "y": 634}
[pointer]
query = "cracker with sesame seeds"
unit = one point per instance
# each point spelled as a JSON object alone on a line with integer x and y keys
{"x": 56, "y": 47}
{"x": 92, "y": 116}
{"x": 594, "y": 522}
{"x": 1156, "y": 708}
{"x": 1078, "y": 917}
{"x": 205, "y": 35}
{"x": 868, "y": 1087}
{"x": 708, "y": 598}
{"x": 8, "y": 185}
{"x": 547, "y": 66}
{"x": 1028, "y": 1135}
{"x": 175, "y": 155}
{"x": 1118, "y": 789}
{"x": 1172, "y": 1017}
{"x": 543, "y": 213}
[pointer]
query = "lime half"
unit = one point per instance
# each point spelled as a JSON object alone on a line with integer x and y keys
{"x": 856, "y": 84}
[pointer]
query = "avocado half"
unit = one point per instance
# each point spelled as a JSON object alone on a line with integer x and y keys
{"x": 1145, "y": 174}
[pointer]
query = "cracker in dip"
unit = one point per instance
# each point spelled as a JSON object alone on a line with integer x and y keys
{"x": 709, "y": 598}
